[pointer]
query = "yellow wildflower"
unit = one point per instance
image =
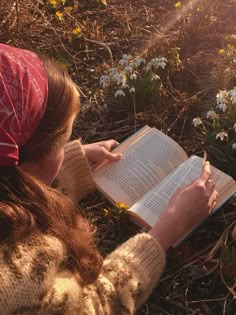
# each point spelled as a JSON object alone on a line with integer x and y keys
{"x": 76, "y": 31}
{"x": 59, "y": 15}
{"x": 63, "y": 2}
{"x": 104, "y": 2}
{"x": 221, "y": 51}
{"x": 178, "y": 4}
{"x": 121, "y": 205}
{"x": 52, "y": 2}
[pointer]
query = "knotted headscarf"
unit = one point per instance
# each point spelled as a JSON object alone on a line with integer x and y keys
{"x": 23, "y": 98}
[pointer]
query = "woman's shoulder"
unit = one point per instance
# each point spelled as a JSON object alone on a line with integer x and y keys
{"x": 27, "y": 271}
{"x": 32, "y": 245}
{"x": 29, "y": 266}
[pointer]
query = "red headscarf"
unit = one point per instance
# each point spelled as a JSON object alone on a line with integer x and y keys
{"x": 23, "y": 98}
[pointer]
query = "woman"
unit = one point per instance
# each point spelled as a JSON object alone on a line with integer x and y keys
{"x": 48, "y": 261}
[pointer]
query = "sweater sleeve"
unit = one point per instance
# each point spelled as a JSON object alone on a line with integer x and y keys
{"x": 75, "y": 178}
{"x": 33, "y": 281}
{"x": 129, "y": 275}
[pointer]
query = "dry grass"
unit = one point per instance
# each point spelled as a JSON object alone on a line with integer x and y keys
{"x": 200, "y": 274}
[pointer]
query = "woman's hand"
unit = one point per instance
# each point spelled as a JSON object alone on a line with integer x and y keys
{"x": 100, "y": 151}
{"x": 188, "y": 207}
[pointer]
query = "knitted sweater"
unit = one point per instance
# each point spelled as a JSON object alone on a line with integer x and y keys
{"x": 32, "y": 282}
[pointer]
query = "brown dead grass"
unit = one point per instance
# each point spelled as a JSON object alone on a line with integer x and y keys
{"x": 198, "y": 279}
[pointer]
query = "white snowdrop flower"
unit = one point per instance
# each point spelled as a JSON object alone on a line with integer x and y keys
{"x": 128, "y": 69}
{"x": 105, "y": 85}
{"x": 155, "y": 77}
{"x": 123, "y": 62}
{"x": 162, "y": 62}
{"x": 221, "y": 100}
{"x": 119, "y": 93}
{"x": 104, "y": 81}
{"x": 159, "y": 62}
{"x": 233, "y": 146}
{"x": 222, "y": 107}
{"x": 126, "y": 57}
{"x": 232, "y": 95}
{"x": 112, "y": 71}
{"x": 211, "y": 114}
{"x": 163, "y": 59}
{"x": 222, "y": 135}
{"x": 197, "y": 121}
{"x": 139, "y": 61}
{"x": 154, "y": 62}
{"x": 124, "y": 86}
{"x": 234, "y": 127}
{"x": 221, "y": 94}
{"x": 117, "y": 78}
{"x": 132, "y": 90}
{"x": 133, "y": 76}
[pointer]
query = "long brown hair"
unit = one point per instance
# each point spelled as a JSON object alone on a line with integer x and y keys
{"x": 27, "y": 204}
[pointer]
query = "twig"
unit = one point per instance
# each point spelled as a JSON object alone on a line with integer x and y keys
{"x": 9, "y": 14}
{"x": 97, "y": 205}
{"x": 103, "y": 45}
{"x": 17, "y": 15}
{"x": 208, "y": 300}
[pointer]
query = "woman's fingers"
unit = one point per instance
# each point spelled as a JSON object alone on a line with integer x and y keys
{"x": 213, "y": 200}
{"x": 210, "y": 187}
{"x": 111, "y": 156}
{"x": 108, "y": 144}
{"x": 206, "y": 172}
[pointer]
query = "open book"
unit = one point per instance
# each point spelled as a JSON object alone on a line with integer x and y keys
{"x": 153, "y": 167}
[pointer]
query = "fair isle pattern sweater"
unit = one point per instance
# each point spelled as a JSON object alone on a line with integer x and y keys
{"x": 32, "y": 280}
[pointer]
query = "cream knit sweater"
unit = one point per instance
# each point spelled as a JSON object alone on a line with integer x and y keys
{"x": 32, "y": 282}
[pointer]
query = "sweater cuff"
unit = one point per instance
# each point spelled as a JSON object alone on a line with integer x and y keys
{"x": 75, "y": 178}
{"x": 145, "y": 257}
{"x": 149, "y": 254}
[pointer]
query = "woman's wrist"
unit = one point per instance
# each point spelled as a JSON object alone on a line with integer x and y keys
{"x": 167, "y": 231}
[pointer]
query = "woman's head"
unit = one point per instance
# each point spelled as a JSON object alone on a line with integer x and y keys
{"x": 26, "y": 203}
{"x": 23, "y": 97}
{"x": 43, "y": 152}
{"x": 38, "y": 103}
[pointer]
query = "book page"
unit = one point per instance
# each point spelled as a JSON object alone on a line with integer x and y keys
{"x": 144, "y": 164}
{"x": 154, "y": 203}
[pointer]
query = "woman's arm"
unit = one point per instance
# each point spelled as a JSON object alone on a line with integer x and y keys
{"x": 75, "y": 178}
